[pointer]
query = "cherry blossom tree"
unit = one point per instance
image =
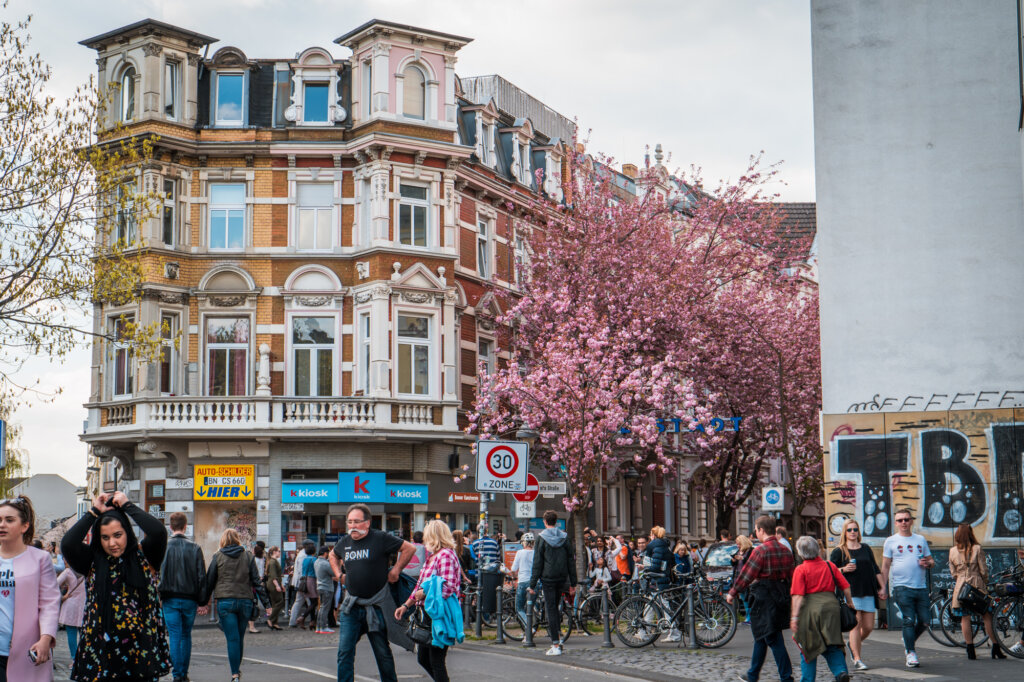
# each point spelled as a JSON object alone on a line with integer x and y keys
{"x": 603, "y": 330}
{"x": 758, "y": 358}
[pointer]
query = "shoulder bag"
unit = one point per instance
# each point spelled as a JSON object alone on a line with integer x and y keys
{"x": 971, "y": 598}
{"x": 418, "y": 629}
{"x": 847, "y": 616}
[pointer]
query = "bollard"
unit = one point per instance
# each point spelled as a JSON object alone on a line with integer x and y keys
{"x": 499, "y": 616}
{"x": 528, "y": 635}
{"x": 467, "y": 617}
{"x": 606, "y": 617}
{"x": 478, "y": 630}
{"x": 691, "y": 619}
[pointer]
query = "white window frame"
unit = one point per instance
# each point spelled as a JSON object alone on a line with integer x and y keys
{"x": 117, "y": 350}
{"x": 211, "y": 207}
{"x": 426, "y": 206}
{"x": 318, "y": 211}
{"x": 305, "y": 107}
{"x": 292, "y": 348}
{"x": 364, "y": 339}
{"x": 208, "y": 347}
{"x": 172, "y": 89}
{"x": 229, "y": 123}
{"x": 167, "y": 347}
{"x": 170, "y": 204}
{"x": 128, "y": 76}
{"x": 367, "y": 87}
{"x": 430, "y": 343}
{"x": 485, "y": 265}
{"x": 488, "y": 359}
{"x": 524, "y": 163}
{"x": 521, "y": 258}
{"x": 425, "y": 91}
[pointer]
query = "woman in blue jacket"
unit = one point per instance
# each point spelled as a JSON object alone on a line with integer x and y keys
{"x": 659, "y": 558}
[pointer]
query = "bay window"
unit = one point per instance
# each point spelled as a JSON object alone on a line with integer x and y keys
{"x": 313, "y": 356}
{"x": 414, "y": 351}
{"x": 121, "y": 357}
{"x": 227, "y": 356}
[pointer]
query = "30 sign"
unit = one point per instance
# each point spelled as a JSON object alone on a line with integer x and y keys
{"x": 501, "y": 466}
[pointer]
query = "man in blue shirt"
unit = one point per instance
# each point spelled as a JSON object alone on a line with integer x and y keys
{"x": 488, "y": 561}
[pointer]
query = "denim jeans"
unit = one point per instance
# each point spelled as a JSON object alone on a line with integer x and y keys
{"x": 521, "y": 596}
{"x": 351, "y": 627}
{"x": 179, "y": 616}
{"x": 835, "y": 657}
{"x": 778, "y": 647}
{"x": 234, "y": 617}
{"x": 72, "y": 633}
{"x": 913, "y": 603}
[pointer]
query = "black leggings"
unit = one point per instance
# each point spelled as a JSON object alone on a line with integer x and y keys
{"x": 3, "y": 669}
{"x": 431, "y": 659}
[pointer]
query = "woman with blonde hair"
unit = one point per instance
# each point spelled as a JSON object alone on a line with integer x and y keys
{"x": 232, "y": 579}
{"x": 442, "y": 564}
{"x": 857, "y": 564}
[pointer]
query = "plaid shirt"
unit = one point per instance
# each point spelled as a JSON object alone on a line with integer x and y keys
{"x": 446, "y": 565}
{"x": 769, "y": 561}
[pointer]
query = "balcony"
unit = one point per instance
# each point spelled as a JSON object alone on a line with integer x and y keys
{"x": 278, "y": 417}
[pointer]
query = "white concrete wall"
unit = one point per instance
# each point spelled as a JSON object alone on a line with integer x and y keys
{"x": 919, "y": 191}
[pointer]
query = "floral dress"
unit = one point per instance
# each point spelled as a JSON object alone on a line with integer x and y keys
{"x": 134, "y": 646}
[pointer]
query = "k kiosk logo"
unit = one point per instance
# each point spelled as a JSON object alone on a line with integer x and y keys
{"x": 354, "y": 486}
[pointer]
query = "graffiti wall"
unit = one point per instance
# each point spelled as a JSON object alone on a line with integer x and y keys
{"x": 961, "y": 466}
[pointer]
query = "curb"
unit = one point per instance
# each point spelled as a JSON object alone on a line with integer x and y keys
{"x": 517, "y": 651}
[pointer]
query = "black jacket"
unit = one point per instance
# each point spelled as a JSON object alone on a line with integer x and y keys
{"x": 554, "y": 560}
{"x": 183, "y": 573}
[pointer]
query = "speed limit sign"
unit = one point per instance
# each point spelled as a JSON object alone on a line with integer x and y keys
{"x": 501, "y": 466}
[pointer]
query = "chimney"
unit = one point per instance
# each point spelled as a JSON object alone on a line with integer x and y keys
{"x": 629, "y": 170}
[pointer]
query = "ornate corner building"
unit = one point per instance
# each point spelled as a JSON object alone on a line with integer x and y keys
{"x": 321, "y": 262}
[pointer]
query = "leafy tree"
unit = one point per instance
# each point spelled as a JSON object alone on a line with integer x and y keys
{"x": 69, "y": 207}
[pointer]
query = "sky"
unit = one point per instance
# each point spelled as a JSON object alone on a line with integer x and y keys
{"x": 712, "y": 81}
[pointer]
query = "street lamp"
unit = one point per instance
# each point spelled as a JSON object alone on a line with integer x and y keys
{"x": 631, "y": 477}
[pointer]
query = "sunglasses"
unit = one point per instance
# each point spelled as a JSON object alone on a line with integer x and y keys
{"x": 908, "y": 520}
{"x": 855, "y": 530}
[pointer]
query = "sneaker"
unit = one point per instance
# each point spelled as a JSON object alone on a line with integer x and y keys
{"x": 674, "y": 636}
{"x": 912, "y": 661}
{"x": 1017, "y": 649}
{"x": 555, "y": 650}
{"x": 326, "y": 631}
{"x": 859, "y": 665}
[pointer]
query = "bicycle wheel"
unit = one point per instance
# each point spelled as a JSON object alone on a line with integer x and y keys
{"x": 939, "y": 621}
{"x": 511, "y": 624}
{"x": 715, "y": 621}
{"x": 954, "y": 633}
{"x": 589, "y": 617}
{"x": 1008, "y": 623}
{"x": 567, "y": 620}
{"x": 636, "y": 621}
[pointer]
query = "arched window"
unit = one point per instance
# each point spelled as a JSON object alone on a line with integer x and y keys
{"x": 414, "y": 92}
{"x": 128, "y": 94}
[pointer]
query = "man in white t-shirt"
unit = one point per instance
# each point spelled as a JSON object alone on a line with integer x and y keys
{"x": 522, "y": 565}
{"x": 906, "y": 559}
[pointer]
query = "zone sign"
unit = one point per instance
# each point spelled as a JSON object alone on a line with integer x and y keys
{"x": 501, "y": 466}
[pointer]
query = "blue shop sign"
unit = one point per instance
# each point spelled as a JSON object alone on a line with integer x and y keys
{"x": 407, "y": 493}
{"x": 308, "y": 491}
{"x": 538, "y": 524}
{"x": 360, "y": 486}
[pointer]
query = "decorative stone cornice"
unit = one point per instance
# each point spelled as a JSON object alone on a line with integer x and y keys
{"x": 152, "y": 49}
{"x": 313, "y": 301}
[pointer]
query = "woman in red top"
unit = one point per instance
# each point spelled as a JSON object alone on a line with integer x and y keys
{"x": 814, "y": 615}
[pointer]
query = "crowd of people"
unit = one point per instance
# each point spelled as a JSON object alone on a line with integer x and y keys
{"x": 128, "y": 605}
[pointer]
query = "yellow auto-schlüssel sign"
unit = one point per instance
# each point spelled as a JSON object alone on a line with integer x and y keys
{"x": 224, "y": 482}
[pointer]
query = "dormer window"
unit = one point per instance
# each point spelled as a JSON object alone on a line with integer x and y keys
{"x": 128, "y": 94}
{"x": 314, "y": 106}
{"x": 230, "y": 87}
{"x": 172, "y": 72}
{"x": 414, "y": 94}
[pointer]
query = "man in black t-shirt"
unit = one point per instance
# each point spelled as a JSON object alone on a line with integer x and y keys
{"x": 363, "y": 555}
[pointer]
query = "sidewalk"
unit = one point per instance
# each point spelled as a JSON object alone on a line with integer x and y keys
{"x": 672, "y": 663}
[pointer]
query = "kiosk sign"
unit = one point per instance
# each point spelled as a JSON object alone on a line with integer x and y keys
{"x": 501, "y": 466}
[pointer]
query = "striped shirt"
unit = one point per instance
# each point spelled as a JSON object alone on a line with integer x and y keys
{"x": 486, "y": 549}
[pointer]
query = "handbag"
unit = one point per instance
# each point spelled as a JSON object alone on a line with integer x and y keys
{"x": 418, "y": 629}
{"x": 972, "y": 599}
{"x": 847, "y": 616}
